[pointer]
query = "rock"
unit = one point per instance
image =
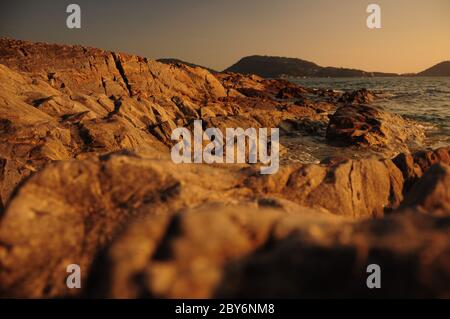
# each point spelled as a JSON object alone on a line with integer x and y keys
{"x": 346, "y": 188}
{"x": 236, "y": 81}
{"x": 368, "y": 126}
{"x": 65, "y": 213}
{"x": 255, "y": 86}
{"x": 431, "y": 193}
{"x": 414, "y": 165}
{"x": 241, "y": 252}
{"x": 331, "y": 260}
{"x": 425, "y": 159}
{"x": 188, "y": 109}
{"x": 291, "y": 93}
{"x": 86, "y": 178}
{"x": 251, "y": 92}
{"x": 163, "y": 131}
{"x": 331, "y": 94}
{"x": 206, "y": 112}
{"x": 184, "y": 255}
{"x": 157, "y": 251}
{"x": 234, "y": 93}
{"x": 362, "y": 96}
{"x": 93, "y": 70}
{"x": 68, "y": 211}
{"x": 108, "y": 102}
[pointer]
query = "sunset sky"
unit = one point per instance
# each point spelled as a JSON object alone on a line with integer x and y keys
{"x": 415, "y": 34}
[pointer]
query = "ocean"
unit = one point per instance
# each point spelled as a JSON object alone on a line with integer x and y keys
{"x": 423, "y": 99}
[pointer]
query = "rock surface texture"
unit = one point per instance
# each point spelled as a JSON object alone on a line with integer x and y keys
{"x": 86, "y": 178}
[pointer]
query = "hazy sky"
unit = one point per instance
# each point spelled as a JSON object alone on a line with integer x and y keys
{"x": 415, "y": 34}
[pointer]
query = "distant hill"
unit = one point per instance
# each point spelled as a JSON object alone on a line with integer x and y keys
{"x": 274, "y": 67}
{"x": 440, "y": 69}
{"x": 174, "y": 61}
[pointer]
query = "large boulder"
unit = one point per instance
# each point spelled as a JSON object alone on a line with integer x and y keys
{"x": 363, "y": 188}
{"x": 369, "y": 126}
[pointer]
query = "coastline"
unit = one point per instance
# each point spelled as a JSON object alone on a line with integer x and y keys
{"x": 85, "y": 142}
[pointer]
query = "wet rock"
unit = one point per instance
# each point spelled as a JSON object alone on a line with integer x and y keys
{"x": 368, "y": 126}
{"x": 331, "y": 94}
{"x": 362, "y": 96}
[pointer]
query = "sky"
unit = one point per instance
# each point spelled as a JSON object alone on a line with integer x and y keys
{"x": 415, "y": 34}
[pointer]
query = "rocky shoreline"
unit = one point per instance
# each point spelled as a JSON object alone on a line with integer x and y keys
{"x": 86, "y": 178}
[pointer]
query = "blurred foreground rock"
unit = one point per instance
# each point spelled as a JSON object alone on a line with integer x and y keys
{"x": 242, "y": 252}
{"x": 163, "y": 214}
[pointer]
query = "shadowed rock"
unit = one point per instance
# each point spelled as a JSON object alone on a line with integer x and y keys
{"x": 184, "y": 255}
{"x": 331, "y": 262}
{"x": 431, "y": 193}
{"x": 414, "y": 165}
{"x": 244, "y": 252}
{"x": 368, "y": 126}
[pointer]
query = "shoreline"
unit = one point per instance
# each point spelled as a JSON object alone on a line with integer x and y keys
{"x": 86, "y": 178}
